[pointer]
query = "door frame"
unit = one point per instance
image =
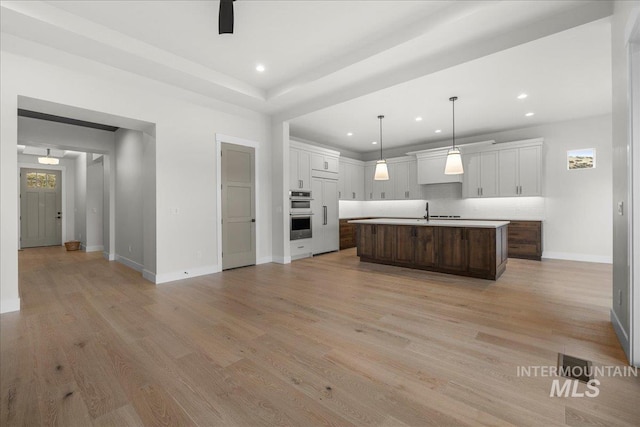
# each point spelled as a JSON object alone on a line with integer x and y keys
{"x": 632, "y": 38}
{"x": 63, "y": 182}
{"x": 221, "y": 138}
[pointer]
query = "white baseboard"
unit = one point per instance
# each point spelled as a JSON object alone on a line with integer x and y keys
{"x": 282, "y": 260}
{"x": 300, "y": 256}
{"x": 96, "y": 248}
{"x": 186, "y": 274}
{"x": 129, "y": 263}
{"x": 264, "y": 260}
{"x": 621, "y": 333}
{"x": 578, "y": 257}
{"x": 148, "y": 275}
{"x": 108, "y": 256}
{"x": 7, "y": 305}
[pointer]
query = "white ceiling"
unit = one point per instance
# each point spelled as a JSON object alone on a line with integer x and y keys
{"x": 566, "y": 76}
{"x": 331, "y": 57}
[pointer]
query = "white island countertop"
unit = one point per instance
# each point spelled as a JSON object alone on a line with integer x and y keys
{"x": 432, "y": 223}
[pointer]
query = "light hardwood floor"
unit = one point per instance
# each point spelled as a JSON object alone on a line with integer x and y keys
{"x": 323, "y": 341}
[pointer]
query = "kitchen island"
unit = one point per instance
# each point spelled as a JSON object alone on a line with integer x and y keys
{"x": 462, "y": 247}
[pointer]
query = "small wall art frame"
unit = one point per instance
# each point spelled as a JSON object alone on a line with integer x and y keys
{"x": 584, "y": 158}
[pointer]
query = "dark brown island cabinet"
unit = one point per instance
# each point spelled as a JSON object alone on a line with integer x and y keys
{"x": 465, "y": 248}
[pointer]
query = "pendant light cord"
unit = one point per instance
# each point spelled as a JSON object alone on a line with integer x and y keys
{"x": 381, "y": 117}
{"x": 453, "y": 105}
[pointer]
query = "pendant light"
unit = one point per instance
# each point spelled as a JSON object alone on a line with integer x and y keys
{"x": 454, "y": 159}
{"x": 382, "y": 173}
{"x": 48, "y": 160}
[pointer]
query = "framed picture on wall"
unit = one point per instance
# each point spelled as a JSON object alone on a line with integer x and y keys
{"x": 581, "y": 159}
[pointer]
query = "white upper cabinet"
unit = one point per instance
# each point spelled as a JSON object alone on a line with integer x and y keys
{"x": 351, "y": 179}
{"x": 357, "y": 181}
{"x": 480, "y": 174}
{"x": 520, "y": 171}
{"x": 299, "y": 169}
{"x": 323, "y": 162}
{"x": 507, "y": 169}
{"x": 431, "y": 165}
{"x": 369, "y": 170}
{"x": 401, "y": 185}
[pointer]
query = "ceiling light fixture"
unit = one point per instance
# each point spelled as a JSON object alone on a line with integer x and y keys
{"x": 454, "y": 159}
{"x": 529, "y": 114}
{"x": 438, "y": 130}
{"x": 260, "y": 68}
{"x": 349, "y": 133}
{"x": 381, "y": 173}
{"x": 522, "y": 96}
{"x": 418, "y": 119}
{"x": 374, "y": 142}
{"x": 48, "y": 160}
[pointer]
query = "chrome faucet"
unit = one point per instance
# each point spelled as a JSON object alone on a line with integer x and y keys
{"x": 426, "y": 216}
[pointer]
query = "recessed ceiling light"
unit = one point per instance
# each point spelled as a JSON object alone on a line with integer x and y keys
{"x": 438, "y": 130}
{"x": 375, "y": 142}
{"x": 349, "y": 133}
{"x": 522, "y": 96}
{"x": 529, "y": 114}
{"x": 260, "y": 68}
{"x": 418, "y": 119}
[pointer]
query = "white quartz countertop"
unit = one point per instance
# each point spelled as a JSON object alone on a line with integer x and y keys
{"x": 432, "y": 223}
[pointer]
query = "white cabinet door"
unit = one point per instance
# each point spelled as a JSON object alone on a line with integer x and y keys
{"x": 471, "y": 180}
{"x": 342, "y": 178}
{"x": 304, "y": 169}
{"x": 401, "y": 181}
{"x": 415, "y": 189}
{"x": 368, "y": 182}
{"x": 529, "y": 171}
{"x": 357, "y": 182}
{"x": 508, "y": 172}
{"x": 325, "y": 163}
{"x": 299, "y": 169}
{"x": 294, "y": 177}
{"x": 519, "y": 172}
{"x": 331, "y": 164}
{"x": 489, "y": 174}
{"x": 325, "y": 224}
{"x": 331, "y": 228}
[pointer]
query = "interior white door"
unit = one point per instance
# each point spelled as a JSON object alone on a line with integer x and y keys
{"x": 40, "y": 208}
{"x": 238, "y": 206}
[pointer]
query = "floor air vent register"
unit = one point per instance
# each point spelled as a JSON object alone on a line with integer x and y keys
{"x": 575, "y": 368}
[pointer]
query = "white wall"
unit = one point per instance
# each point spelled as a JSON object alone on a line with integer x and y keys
{"x": 69, "y": 184}
{"x": 575, "y": 207}
{"x": 129, "y": 195}
{"x": 94, "y": 205}
{"x": 80, "y": 207}
{"x": 185, "y": 155}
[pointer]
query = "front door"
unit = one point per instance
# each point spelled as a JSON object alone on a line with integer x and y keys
{"x": 40, "y": 208}
{"x": 238, "y": 206}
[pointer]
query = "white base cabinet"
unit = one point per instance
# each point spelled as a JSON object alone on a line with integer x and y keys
{"x": 302, "y": 248}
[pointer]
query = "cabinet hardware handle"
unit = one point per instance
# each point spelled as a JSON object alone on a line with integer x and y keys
{"x": 339, "y": 194}
{"x": 325, "y": 215}
{"x": 382, "y": 194}
{"x": 354, "y": 194}
{"x": 481, "y": 191}
{"x": 371, "y": 195}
